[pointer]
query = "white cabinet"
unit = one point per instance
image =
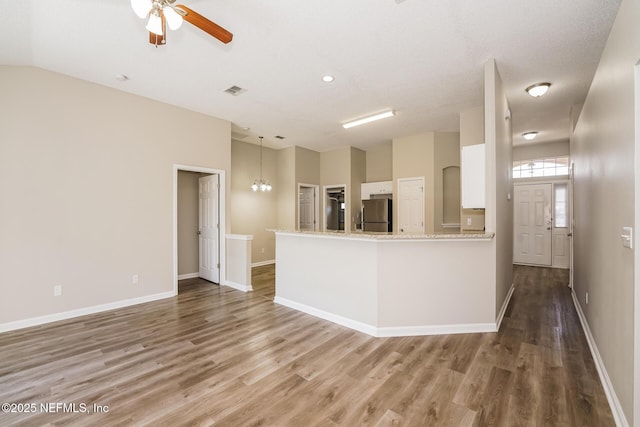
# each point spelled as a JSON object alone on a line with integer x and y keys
{"x": 369, "y": 188}
{"x": 472, "y": 170}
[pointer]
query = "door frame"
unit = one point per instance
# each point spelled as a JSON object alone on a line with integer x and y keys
{"x": 316, "y": 206}
{"x": 221, "y": 217}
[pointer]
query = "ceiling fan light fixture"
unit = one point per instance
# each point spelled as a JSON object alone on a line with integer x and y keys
{"x": 538, "y": 89}
{"x": 141, "y": 7}
{"x": 155, "y": 23}
{"x": 174, "y": 20}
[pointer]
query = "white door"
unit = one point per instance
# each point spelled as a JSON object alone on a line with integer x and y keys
{"x": 411, "y": 205}
{"x": 208, "y": 229}
{"x": 532, "y": 224}
{"x": 307, "y": 208}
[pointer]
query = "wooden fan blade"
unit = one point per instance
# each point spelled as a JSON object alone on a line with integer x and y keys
{"x": 194, "y": 18}
{"x": 157, "y": 40}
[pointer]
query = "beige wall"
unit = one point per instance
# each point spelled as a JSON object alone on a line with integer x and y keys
{"x": 380, "y": 163}
{"x": 335, "y": 169}
{"x": 188, "y": 251}
{"x": 358, "y": 176}
{"x": 254, "y": 212}
{"x": 307, "y": 169}
{"x": 287, "y": 191}
{"x": 414, "y": 157}
{"x": 499, "y": 185}
{"x": 88, "y": 171}
{"x": 540, "y": 151}
{"x": 602, "y": 149}
{"x": 447, "y": 153}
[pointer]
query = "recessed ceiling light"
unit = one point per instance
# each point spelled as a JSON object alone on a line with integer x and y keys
{"x": 529, "y": 135}
{"x": 538, "y": 89}
{"x": 369, "y": 119}
{"x": 328, "y": 78}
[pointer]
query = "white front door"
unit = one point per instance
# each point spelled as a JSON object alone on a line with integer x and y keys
{"x": 532, "y": 224}
{"x": 411, "y": 205}
{"x": 208, "y": 229}
{"x": 307, "y": 208}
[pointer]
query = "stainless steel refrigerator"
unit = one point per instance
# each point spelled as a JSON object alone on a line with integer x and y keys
{"x": 376, "y": 215}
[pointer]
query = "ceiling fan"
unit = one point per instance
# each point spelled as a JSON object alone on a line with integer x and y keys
{"x": 163, "y": 12}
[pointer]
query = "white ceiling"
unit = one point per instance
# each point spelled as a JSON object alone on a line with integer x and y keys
{"x": 423, "y": 58}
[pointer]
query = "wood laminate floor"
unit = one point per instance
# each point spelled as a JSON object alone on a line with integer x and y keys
{"x": 217, "y": 356}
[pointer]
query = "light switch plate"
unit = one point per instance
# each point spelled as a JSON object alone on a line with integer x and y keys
{"x": 627, "y": 237}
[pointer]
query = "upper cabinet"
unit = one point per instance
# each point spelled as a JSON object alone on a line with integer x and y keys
{"x": 381, "y": 187}
{"x": 472, "y": 170}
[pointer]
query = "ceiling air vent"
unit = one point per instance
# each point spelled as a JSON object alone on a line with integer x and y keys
{"x": 279, "y": 137}
{"x": 235, "y": 90}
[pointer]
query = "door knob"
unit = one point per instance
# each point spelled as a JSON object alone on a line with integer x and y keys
{"x": 199, "y": 232}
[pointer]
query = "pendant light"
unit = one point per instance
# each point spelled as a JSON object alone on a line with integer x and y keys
{"x": 260, "y": 184}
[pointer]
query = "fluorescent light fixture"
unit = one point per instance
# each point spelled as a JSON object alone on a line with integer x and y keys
{"x": 529, "y": 135}
{"x": 538, "y": 89}
{"x": 369, "y": 119}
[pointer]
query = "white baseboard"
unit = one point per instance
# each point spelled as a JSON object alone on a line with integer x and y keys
{"x": 340, "y": 320}
{"x": 609, "y": 391}
{"x": 401, "y": 331}
{"x": 411, "y": 331}
{"x": 504, "y": 307}
{"x": 238, "y": 286}
{"x": 35, "y": 321}
{"x": 188, "y": 276}
{"x": 261, "y": 263}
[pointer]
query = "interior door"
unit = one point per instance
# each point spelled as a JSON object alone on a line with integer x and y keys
{"x": 209, "y": 229}
{"x": 532, "y": 224}
{"x": 411, "y": 205}
{"x": 307, "y": 208}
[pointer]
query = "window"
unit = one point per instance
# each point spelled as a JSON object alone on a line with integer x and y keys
{"x": 560, "y": 206}
{"x": 551, "y": 166}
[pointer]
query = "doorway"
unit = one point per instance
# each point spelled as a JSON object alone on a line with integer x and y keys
{"x": 335, "y": 206}
{"x": 307, "y": 207}
{"x": 217, "y": 257}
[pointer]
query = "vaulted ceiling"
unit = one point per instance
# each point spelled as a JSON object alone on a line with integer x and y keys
{"x": 423, "y": 58}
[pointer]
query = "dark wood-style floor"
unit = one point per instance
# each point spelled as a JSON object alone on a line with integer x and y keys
{"x": 216, "y": 356}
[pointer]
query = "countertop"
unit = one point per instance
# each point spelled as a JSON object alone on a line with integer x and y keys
{"x": 359, "y": 235}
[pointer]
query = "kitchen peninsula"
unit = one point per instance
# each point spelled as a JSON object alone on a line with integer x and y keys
{"x": 390, "y": 284}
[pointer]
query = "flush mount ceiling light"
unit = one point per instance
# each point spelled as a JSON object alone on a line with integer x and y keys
{"x": 538, "y": 89}
{"x": 529, "y": 135}
{"x": 328, "y": 79}
{"x": 260, "y": 184}
{"x": 369, "y": 119}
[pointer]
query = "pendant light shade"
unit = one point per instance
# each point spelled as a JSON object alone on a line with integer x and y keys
{"x": 141, "y": 7}
{"x": 174, "y": 20}
{"x": 155, "y": 23}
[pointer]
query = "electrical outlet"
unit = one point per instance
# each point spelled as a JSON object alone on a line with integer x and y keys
{"x": 468, "y": 221}
{"x": 136, "y": 279}
{"x": 586, "y": 297}
{"x": 57, "y": 290}
{"x": 262, "y": 250}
